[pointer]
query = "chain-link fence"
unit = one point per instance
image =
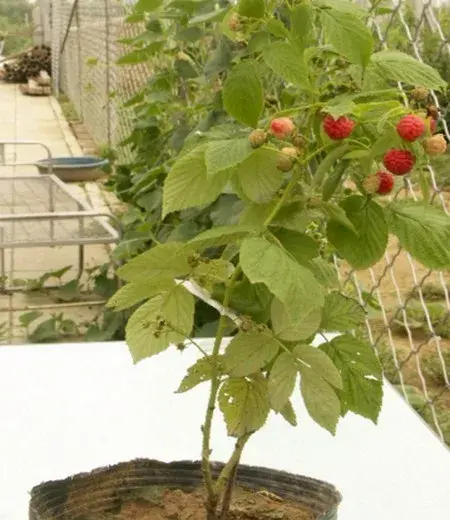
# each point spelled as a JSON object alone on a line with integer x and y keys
{"x": 408, "y": 306}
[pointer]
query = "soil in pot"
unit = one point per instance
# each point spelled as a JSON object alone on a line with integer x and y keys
{"x": 157, "y": 503}
{"x": 152, "y": 490}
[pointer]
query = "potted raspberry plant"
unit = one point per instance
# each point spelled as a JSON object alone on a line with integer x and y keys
{"x": 312, "y": 132}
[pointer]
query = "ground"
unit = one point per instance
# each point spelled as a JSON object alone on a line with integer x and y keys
{"x": 40, "y": 119}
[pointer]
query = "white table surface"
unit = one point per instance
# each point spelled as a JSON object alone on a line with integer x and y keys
{"x": 70, "y": 408}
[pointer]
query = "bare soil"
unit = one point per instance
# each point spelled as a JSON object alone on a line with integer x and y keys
{"x": 157, "y": 503}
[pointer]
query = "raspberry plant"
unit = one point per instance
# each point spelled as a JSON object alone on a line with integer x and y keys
{"x": 303, "y": 126}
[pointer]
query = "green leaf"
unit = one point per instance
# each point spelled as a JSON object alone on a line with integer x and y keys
{"x": 187, "y": 184}
{"x": 251, "y": 8}
{"x": 251, "y": 300}
{"x": 336, "y": 213}
{"x": 320, "y": 399}
{"x": 211, "y": 16}
{"x": 288, "y": 414}
{"x": 220, "y": 236}
{"x": 341, "y": 313}
{"x": 27, "y": 318}
{"x": 424, "y": 231}
{"x": 301, "y": 246}
{"x": 349, "y": 35}
{"x": 282, "y": 379}
{"x": 289, "y": 329}
{"x": 326, "y": 164}
{"x": 162, "y": 262}
{"x": 398, "y": 66}
{"x": 368, "y": 246}
{"x": 302, "y": 18}
{"x": 222, "y": 155}
{"x": 339, "y": 107}
{"x": 258, "y": 176}
{"x": 286, "y": 60}
{"x": 165, "y": 319}
{"x": 242, "y": 93}
{"x": 212, "y": 272}
{"x": 325, "y": 272}
{"x": 248, "y": 352}
{"x": 361, "y": 373}
{"x": 293, "y": 284}
{"x": 133, "y": 293}
{"x": 147, "y": 6}
{"x": 199, "y": 372}
{"x": 317, "y": 361}
{"x": 244, "y": 404}
{"x": 344, "y": 6}
{"x": 388, "y": 139}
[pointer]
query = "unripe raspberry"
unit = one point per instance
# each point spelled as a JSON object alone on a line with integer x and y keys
{"x": 284, "y": 163}
{"x": 257, "y": 138}
{"x": 281, "y": 127}
{"x": 398, "y": 161}
{"x": 435, "y": 145}
{"x": 300, "y": 142}
{"x": 234, "y": 22}
{"x": 337, "y": 129}
{"x": 433, "y": 111}
{"x": 420, "y": 93}
{"x": 410, "y": 127}
{"x": 382, "y": 183}
{"x": 290, "y": 151}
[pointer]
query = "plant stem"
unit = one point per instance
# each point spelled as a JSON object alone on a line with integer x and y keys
{"x": 225, "y": 477}
{"x": 288, "y": 190}
{"x": 212, "y": 497}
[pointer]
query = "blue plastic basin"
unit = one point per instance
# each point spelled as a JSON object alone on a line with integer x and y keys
{"x": 86, "y": 168}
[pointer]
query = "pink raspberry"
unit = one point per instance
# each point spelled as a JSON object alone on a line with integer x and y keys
{"x": 382, "y": 183}
{"x": 281, "y": 127}
{"x": 337, "y": 129}
{"x": 410, "y": 127}
{"x": 398, "y": 161}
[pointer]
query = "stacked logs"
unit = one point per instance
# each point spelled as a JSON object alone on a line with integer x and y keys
{"x": 29, "y": 65}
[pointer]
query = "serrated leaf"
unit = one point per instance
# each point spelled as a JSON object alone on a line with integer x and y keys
{"x": 341, "y": 314}
{"x": 325, "y": 272}
{"x": 282, "y": 379}
{"x": 134, "y": 292}
{"x": 220, "y": 236}
{"x": 212, "y": 272}
{"x": 349, "y": 35}
{"x": 288, "y": 414}
{"x": 286, "y": 60}
{"x": 301, "y": 246}
{"x": 199, "y": 372}
{"x": 328, "y": 162}
{"x": 248, "y": 352}
{"x": 251, "y": 300}
{"x": 302, "y": 18}
{"x": 187, "y": 183}
{"x": 320, "y": 399}
{"x": 344, "y": 6}
{"x": 222, "y": 155}
{"x": 364, "y": 249}
{"x": 341, "y": 108}
{"x": 289, "y": 329}
{"x": 245, "y": 405}
{"x": 361, "y": 374}
{"x": 424, "y": 231}
{"x": 165, "y": 261}
{"x": 242, "y": 93}
{"x": 291, "y": 283}
{"x": 337, "y": 214}
{"x": 318, "y": 362}
{"x": 398, "y": 66}
{"x": 388, "y": 139}
{"x": 258, "y": 176}
{"x": 146, "y": 335}
{"x": 251, "y": 8}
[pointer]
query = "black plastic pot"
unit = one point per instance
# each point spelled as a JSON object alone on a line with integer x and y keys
{"x": 99, "y": 492}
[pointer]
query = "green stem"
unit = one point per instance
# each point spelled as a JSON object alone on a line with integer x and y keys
{"x": 212, "y": 498}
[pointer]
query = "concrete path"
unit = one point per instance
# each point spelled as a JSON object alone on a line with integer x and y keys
{"x": 26, "y": 118}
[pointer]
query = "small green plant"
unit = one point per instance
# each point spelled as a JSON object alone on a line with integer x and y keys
{"x": 417, "y": 320}
{"x": 289, "y": 122}
{"x": 435, "y": 366}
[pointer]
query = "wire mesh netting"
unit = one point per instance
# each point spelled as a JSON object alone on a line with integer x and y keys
{"x": 408, "y": 306}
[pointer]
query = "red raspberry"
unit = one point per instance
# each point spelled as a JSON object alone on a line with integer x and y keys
{"x": 381, "y": 183}
{"x": 386, "y": 182}
{"x": 281, "y": 127}
{"x": 399, "y": 161}
{"x": 410, "y": 127}
{"x": 337, "y": 129}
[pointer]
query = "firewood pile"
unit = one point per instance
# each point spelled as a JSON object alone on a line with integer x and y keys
{"x": 29, "y": 65}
